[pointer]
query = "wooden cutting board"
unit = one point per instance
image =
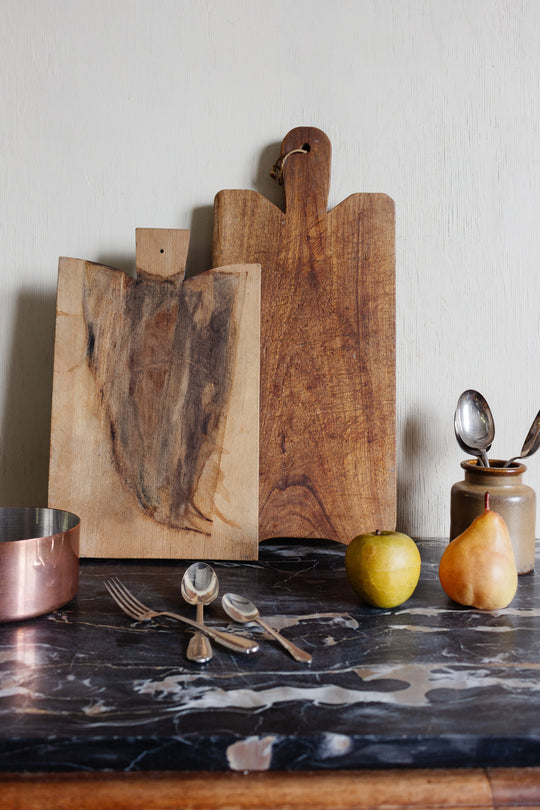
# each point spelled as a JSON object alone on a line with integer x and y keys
{"x": 327, "y": 418}
{"x": 155, "y": 410}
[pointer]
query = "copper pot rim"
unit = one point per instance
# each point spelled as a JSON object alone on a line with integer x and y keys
{"x": 21, "y": 511}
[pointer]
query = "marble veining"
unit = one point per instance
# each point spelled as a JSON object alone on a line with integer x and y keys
{"x": 427, "y": 684}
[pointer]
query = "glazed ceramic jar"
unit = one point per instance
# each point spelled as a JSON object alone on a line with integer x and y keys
{"x": 508, "y": 495}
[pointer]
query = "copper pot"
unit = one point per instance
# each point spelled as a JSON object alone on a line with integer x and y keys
{"x": 39, "y": 561}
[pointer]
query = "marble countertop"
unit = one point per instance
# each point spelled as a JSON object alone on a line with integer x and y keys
{"x": 428, "y": 684}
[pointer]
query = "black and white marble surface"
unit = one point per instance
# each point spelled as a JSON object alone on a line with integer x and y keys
{"x": 428, "y": 684}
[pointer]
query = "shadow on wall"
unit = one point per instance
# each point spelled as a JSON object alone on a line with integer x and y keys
{"x": 265, "y": 184}
{"x": 27, "y": 410}
{"x": 202, "y": 218}
{"x": 415, "y": 455}
{"x": 120, "y": 261}
{"x": 201, "y": 229}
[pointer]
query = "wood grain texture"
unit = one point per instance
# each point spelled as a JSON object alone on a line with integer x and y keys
{"x": 515, "y": 787}
{"x": 154, "y": 433}
{"x": 421, "y": 789}
{"x": 327, "y": 429}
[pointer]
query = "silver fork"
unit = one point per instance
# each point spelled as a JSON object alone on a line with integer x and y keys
{"x": 135, "y": 608}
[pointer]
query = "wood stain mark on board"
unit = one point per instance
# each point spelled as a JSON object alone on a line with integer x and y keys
{"x": 162, "y": 377}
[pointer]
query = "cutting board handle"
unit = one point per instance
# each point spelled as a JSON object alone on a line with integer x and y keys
{"x": 306, "y": 175}
{"x": 161, "y": 252}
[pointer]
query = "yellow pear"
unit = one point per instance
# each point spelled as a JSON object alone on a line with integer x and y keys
{"x": 478, "y": 567}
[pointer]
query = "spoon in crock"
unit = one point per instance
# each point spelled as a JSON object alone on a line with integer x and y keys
{"x": 473, "y": 425}
{"x": 242, "y": 610}
{"x": 199, "y": 587}
{"x": 531, "y": 443}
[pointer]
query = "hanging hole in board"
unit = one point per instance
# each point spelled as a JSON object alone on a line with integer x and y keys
{"x": 306, "y": 147}
{"x": 162, "y": 251}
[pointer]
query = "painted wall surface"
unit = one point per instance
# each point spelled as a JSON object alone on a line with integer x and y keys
{"x": 119, "y": 114}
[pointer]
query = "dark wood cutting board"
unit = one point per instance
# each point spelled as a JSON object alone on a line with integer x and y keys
{"x": 327, "y": 408}
{"x": 155, "y": 411}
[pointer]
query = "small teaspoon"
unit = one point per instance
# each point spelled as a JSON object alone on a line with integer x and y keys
{"x": 242, "y": 610}
{"x": 531, "y": 443}
{"x": 199, "y": 587}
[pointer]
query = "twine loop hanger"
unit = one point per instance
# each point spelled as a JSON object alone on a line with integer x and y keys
{"x": 277, "y": 168}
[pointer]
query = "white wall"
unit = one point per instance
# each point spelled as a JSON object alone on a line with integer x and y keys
{"x": 119, "y": 114}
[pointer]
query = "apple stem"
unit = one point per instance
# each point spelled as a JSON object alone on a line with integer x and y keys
{"x": 377, "y": 531}
{"x": 486, "y": 500}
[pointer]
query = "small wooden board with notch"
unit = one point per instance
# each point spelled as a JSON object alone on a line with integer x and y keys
{"x": 155, "y": 412}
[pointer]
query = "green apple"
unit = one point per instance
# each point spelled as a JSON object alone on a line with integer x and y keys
{"x": 383, "y": 567}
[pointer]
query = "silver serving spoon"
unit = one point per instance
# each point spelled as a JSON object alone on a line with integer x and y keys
{"x": 242, "y": 610}
{"x": 531, "y": 443}
{"x": 199, "y": 587}
{"x": 473, "y": 425}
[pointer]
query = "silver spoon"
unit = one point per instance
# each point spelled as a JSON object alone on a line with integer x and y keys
{"x": 242, "y": 610}
{"x": 531, "y": 443}
{"x": 473, "y": 425}
{"x": 199, "y": 587}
